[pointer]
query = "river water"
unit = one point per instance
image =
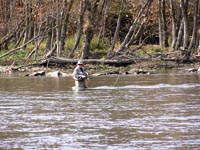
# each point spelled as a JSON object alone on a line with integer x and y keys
{"x": 160, "y": 111}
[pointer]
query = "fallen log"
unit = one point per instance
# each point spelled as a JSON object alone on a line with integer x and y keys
{"x": 64, "y": 61}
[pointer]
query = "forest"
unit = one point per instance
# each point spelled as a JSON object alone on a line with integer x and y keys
{"x": 105, "y": 31}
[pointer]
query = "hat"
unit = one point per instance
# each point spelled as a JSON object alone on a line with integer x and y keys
{"x": 80, "y": 62}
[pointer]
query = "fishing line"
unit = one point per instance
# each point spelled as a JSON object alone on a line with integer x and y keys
{"x": 117, "y": 79}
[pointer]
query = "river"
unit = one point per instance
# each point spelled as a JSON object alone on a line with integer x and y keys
{"x": 159, "y": 111}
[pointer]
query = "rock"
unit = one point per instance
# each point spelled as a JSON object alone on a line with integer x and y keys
{"x": 139, "y": 71}
{"x": 192, "y": 70}
{"x": 125, "y": 73}
{"x": 107, "y": 72}
{"x": 57, "y": 74}
{"x": 142, "y": 72}
{"x": 198, "y": 56}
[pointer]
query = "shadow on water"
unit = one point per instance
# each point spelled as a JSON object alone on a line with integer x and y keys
{"x": 136, "y": 112}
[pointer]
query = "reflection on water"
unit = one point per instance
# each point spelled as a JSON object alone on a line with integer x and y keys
{"x": 139, "y": 112}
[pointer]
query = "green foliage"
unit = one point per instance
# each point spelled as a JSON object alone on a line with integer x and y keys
{"x": 17, "y": 58}
{"x": 69, "y": 43}
{"x": 97, "y": 43}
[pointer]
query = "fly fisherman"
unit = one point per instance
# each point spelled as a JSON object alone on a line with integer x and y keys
{"x": 80, "y": 75}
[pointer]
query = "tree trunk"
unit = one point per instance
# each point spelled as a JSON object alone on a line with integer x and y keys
{"x": 27, "y": 13}
{"x": 174, "y": 31}
{"x": 193, "y": 41}
{"x": 163, "y": 35}
{"x": 49, "y": 34}
{"x": 58, "y": 29}
{"x": 89, "y": 32}
{"x": 180, "y": 36}
{"x": 116, "y": 34}
{"x": 83, "y": 7}
{"x": 102, "y": 30}
{"x": 88, "y": 38}
{"x": 161, "y": 43}
{"x": 66, "y": 13}
{"x": 185, "y": 23}
{"x": 165, "y": 32}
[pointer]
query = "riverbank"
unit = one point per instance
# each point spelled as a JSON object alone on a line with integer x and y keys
{"x": 142, "y": 67}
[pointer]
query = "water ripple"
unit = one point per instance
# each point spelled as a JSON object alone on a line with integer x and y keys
{"x": 156, "y": 86}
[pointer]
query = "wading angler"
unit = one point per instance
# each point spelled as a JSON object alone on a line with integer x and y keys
{"x": 80, "y": 76}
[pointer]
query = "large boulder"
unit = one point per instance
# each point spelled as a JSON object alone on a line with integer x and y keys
{"x": 38, "y": 73}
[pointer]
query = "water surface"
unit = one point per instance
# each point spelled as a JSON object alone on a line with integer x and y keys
{"x": 121, "y": 112}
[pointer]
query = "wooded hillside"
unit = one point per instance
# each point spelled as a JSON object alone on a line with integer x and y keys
{"x": 34, "y": 30}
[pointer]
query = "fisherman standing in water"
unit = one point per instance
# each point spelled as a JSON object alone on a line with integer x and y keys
{"x": 80, "y": 76}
